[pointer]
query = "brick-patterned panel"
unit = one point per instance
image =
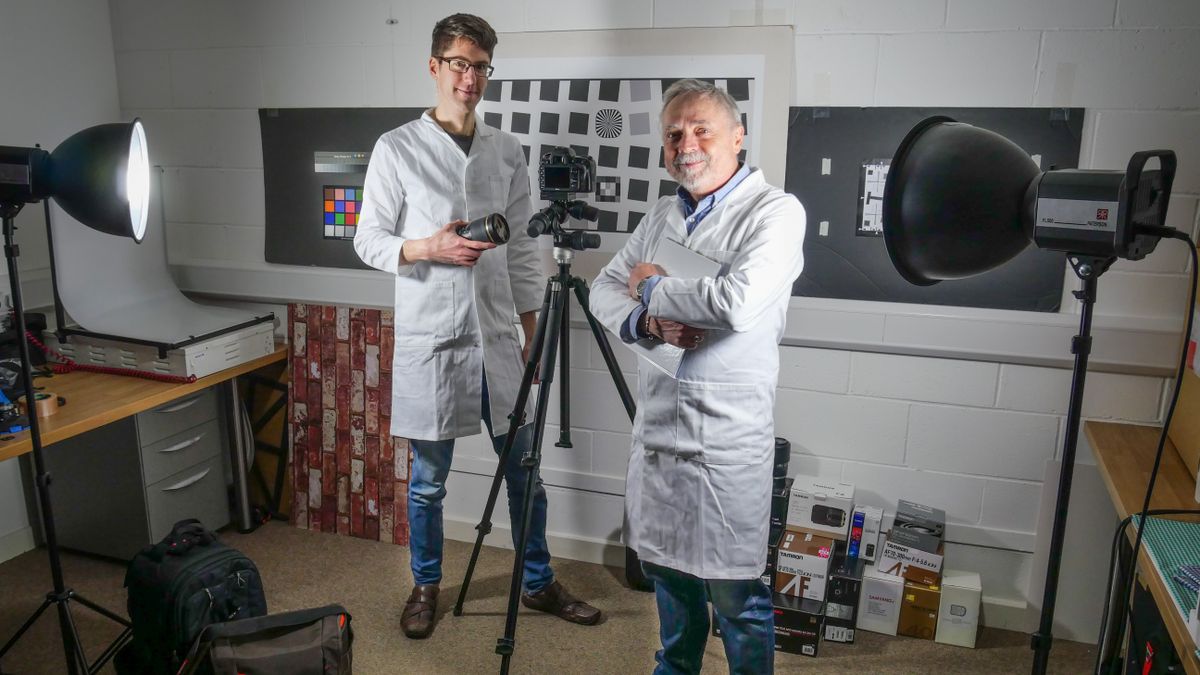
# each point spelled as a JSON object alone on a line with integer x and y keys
{"x": 349, "y": 475}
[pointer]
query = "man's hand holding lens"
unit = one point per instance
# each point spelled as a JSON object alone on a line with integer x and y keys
{"x": 446, "y": 246}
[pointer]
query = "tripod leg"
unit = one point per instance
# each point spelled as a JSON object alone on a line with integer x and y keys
{"x": 548, "y": 347}
{"x": 610, "y": 360}
{"x": 485, "y": 522}
{"x": 564, "y": 382}
{"x": 26, "y": 626}
{"x": 633, "y": 567}
{"x": 100, "y": 610}
{"x": 68, "y": 620}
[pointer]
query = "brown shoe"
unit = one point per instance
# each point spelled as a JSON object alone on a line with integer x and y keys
{"x": 556, "y": 600}
{"x": 417, "y": 619}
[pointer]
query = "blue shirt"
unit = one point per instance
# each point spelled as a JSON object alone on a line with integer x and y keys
{"x": 693, "y": 213}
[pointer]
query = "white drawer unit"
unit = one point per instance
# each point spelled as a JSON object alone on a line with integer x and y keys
{"x": 120, "y": 487}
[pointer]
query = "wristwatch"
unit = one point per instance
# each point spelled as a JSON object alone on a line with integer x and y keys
{"x": 641, "y": 289}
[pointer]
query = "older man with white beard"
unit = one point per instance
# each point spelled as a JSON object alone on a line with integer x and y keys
{"x": 698, "y": 490}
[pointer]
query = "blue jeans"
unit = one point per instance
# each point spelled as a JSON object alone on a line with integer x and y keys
{"x": 427, "y": 488}
{"x": 744, "y": 613}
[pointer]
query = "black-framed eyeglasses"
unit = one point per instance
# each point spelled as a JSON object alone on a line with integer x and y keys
{"x": 462, "y": 65}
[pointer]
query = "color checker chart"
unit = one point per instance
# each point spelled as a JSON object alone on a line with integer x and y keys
{"x": 342, "y": 204}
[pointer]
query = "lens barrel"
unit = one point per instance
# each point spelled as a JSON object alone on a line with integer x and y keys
{"x": 492, "y": 227}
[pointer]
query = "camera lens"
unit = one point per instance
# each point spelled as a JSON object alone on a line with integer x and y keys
{"x": 492, "y": 227}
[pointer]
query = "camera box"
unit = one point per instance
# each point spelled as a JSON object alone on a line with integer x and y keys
{"x": 779, "y": 504}
{"x": 802, "y": 565}
{"x": 915, "y": 539}
{"x": 879, "y": 601}
{"x": 797, "y": 624}
{"x": 820, "y": 506}
{"x": 841, "y": 598}
{"x": 919, "y": 518}
{"x": 864, "y": 532}
{"x": 910, "y": 563}
{"x": 919, "y": 610}
{"x": 958, "y": 613}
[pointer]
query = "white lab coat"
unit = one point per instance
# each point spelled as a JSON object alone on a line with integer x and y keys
{"x": 698, "y": 493}
{"x": 451, "y": 322}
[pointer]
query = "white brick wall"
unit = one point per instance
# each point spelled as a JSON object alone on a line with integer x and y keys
{"x": 980, "y": 442}
{"x": 855, "y": 16}
{"x": 970, "y": 383}
{"x": 957, "y": 69}
{"x": 720, "y": 13}
{"x": 842, "y": 427}
{"x": 835, "y": 70}
{"x": 1078, "y": 69}
{"x": 1027, "y": 14}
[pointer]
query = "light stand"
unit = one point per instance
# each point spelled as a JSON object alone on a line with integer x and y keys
{"x": 551, "y": 333}
{"x": 101, "y": 177}
{"x": 1088, "y": 270}
{"x": 61, "y": 596}
{"x": 961, "y": 200}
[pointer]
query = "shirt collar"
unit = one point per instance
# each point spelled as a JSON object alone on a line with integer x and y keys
{"x": 704, "y": 205}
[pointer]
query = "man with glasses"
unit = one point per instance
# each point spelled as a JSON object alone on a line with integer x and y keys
{"x": 458, "y": 357}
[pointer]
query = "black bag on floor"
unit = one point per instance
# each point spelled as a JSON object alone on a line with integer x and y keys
{"x": 304, "y": 642}
{"x": 179, "y": 586}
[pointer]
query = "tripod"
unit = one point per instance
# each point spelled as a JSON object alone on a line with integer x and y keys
{"x": 61, "y": 596}
{"x": 552, "y": 332}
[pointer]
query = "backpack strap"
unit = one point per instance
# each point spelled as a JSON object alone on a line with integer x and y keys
{"x": 183, "y": 537}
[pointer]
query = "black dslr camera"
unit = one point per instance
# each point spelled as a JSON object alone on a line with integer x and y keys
{"x": 562, "y": 174}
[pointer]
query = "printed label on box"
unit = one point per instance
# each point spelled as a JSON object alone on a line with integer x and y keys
{"x": 802, "y": 566}
{"x": 839, "y": 633}
{"x": 895, "y": 559}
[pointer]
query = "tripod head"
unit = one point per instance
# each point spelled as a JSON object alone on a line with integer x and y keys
{"x": 551, "y": 218}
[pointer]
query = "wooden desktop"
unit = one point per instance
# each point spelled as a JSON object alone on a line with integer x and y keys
{"x": 94, "y": 402}
{"x": 1125, "y": 454}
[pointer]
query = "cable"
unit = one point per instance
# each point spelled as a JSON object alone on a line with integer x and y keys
{"x": 1112, "y": 565}
{"x": 67, "y": 365}
{"x": 1126, "y": 587}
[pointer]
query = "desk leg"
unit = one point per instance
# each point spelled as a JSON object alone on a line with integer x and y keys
{"x": 235, "y": 428}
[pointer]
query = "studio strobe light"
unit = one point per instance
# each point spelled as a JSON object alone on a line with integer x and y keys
{"x": 961, "y": 200}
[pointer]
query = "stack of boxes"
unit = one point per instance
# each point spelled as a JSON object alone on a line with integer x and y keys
{"x": 831, "y": 573}
{"x": 909, "y": 593}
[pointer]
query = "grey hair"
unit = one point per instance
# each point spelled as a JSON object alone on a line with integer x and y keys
{"x": 690, "y": 87}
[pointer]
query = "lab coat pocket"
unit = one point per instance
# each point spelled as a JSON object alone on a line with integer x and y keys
{"x": 724, "y": 423}
{"x": 427, "y": 312}
{"x": 417, "y": 367}
{"x": 718, "y": 255}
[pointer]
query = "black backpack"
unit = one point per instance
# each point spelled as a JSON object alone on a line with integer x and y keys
{"x": 179, "y": 586}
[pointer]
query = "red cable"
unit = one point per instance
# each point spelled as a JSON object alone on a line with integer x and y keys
{"x": 69, "y": 365}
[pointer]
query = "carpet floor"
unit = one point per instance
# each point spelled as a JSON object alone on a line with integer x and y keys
{"x": 307, "y": 569}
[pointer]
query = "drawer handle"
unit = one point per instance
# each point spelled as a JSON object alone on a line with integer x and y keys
{"x": 180, "y": 406}
{"x": 182, "y": 444}
{"x": 187, "y": 482}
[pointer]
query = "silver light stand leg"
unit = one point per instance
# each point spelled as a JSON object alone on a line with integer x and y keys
{"x": 243, "y": 519}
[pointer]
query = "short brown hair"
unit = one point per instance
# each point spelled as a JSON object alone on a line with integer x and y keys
{"x": 466, "y": 26}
